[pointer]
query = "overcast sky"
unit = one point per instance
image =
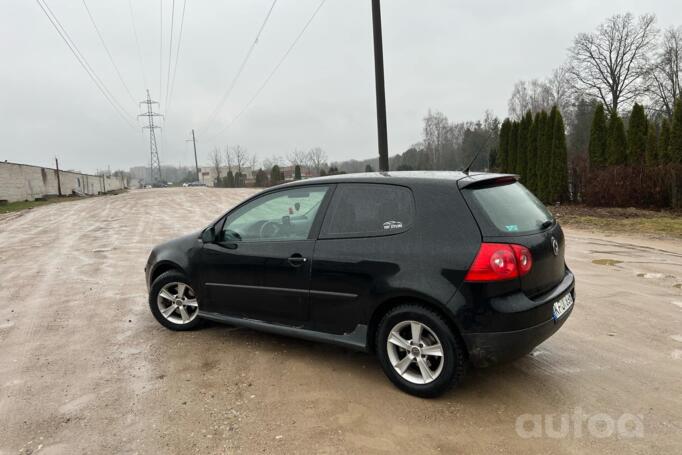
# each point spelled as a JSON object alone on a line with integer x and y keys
{"x": 459, "y": 57}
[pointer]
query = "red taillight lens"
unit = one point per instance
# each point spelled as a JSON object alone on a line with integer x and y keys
{"x": 523, "y": 259}
{"x": 499, "y": 261}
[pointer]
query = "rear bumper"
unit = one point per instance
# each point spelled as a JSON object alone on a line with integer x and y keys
{"x": 488, "y": 348}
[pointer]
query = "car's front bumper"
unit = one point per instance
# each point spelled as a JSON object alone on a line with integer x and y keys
{"x": 487, "y": 348}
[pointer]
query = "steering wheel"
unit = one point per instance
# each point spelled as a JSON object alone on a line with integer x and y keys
{"x": 268, "y": 225}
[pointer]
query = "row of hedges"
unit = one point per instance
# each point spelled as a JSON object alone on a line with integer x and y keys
{"x": 630, "y": 186}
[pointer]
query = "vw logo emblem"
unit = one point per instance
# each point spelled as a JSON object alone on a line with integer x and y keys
{"x": 555, "y": 247}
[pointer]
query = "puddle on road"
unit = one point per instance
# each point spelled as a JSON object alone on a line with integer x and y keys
{"x": 656, "y": 276}
{"x": 610, "y": 262}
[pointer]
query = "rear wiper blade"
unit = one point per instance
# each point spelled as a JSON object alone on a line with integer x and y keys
{"x": 547, "y": 223}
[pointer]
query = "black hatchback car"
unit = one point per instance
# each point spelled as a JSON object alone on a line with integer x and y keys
{"x": 431, "y": 271}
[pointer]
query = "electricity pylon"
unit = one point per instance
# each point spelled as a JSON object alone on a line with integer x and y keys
{"x": 154, "y": 163}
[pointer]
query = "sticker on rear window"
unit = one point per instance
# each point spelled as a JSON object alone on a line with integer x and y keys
{"x": 512, "y": 227}
{"x": 393, "y": 225}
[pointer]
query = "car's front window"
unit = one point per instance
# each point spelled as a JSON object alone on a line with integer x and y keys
{"x": 284, "y": 215}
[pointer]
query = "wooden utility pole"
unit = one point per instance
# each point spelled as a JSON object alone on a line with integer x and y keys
{"x": 380, "y": 89}
{"x": 59, "y": 180}
{"x": 196, "y": 162}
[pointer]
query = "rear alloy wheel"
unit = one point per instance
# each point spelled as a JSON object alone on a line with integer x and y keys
{"x": 415, "y": 352}
{"x": 173, "y": 302}
{"x": 418, "y": 351}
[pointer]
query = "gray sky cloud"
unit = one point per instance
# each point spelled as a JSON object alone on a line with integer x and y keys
{"x": 458, "y": 57}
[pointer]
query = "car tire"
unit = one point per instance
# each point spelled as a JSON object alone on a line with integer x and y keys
{"x": 425, "y": 373}
{"x": 171, "y": 309}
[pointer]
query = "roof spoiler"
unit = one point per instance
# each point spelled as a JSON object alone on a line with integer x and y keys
{"x": 485, "y": 179}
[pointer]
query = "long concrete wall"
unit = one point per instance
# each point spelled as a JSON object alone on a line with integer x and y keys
{"x": 23, "y": 182}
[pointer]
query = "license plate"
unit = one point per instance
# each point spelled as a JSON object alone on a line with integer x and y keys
{"x": 562, "y": 305}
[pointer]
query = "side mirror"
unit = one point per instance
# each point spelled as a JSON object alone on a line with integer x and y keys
{"x": 208, "y": 236}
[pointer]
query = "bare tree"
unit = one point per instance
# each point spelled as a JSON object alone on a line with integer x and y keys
{"x": 253, "y": 161}
{"x": 297, "y": 157}
{"x": 317, "y": 159}
{"x": 228, "y": 158}
{"x": 536, "y": 95}
{"x": 611, "y": 62}
{"x": 438, "y": 136}
{"x": 216, "y": 160}
{"x": 559, "y": 88}
{"x": 241, "y": 157}
{"x": 664, "y": 79}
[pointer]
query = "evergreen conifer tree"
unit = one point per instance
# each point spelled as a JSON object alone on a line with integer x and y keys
{"x": 559, "y": 181}
{"x": 675, "y": 147}
{"x": 637, "y": 135}
{"x": 546, "y": 160}
{"x": 532, "y": 158}
{"x": 651, "y": 158}
{"x": 617, "y": 144}
{"x": 513, "y": 148}
{"x": 503, "y": 154}
{"x": 664, "y": 143}
{"x": 521, "y": 167}
{"x": 598, "y": 136}
{"x": 275, "y": 175}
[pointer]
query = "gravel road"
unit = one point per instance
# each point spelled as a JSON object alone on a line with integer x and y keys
{"x": 84, "y": 368}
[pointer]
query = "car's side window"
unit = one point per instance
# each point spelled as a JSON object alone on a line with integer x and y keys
{"x": 367, "y": 210}
{"x": 283, "y": 215}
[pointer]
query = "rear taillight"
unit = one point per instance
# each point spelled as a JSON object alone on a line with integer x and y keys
{"x": 500, "y": 261}
{"x": 523, "y": 259}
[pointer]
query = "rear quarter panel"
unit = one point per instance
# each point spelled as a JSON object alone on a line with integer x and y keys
{"x": 428, "y": 262}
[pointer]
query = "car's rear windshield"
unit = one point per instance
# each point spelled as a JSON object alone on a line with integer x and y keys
{"x": 507, "y": 209}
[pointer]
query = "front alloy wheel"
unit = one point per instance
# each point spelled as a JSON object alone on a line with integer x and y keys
{"x": 178, "y": 303}
{"x": 173, "y": 301}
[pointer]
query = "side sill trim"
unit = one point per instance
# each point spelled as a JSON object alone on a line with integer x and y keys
{"x": 357, "y": 339}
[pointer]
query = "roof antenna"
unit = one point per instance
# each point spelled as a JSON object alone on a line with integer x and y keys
{"x": 466, "y": 169}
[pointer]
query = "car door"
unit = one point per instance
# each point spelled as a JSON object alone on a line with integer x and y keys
{"x": 259, "y": 265}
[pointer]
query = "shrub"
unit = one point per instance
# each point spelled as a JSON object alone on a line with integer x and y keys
{"x": 635, "y": 186}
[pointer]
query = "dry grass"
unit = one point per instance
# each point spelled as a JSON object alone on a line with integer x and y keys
{"x": 27, "y": 205}
{"x": 621, "y": 220}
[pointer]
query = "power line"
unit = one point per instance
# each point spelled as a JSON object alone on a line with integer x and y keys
{"x": 137, "y": 42}
{"x": 272, "y": 73}
{"x": 177, "y": 54}
{"x": 160, "y": 45}
{"x": 83, "y": 62}
{"x": 241, "y": 67}
{"x": 104, "y": 45}
{"x": 170, "y": 52}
